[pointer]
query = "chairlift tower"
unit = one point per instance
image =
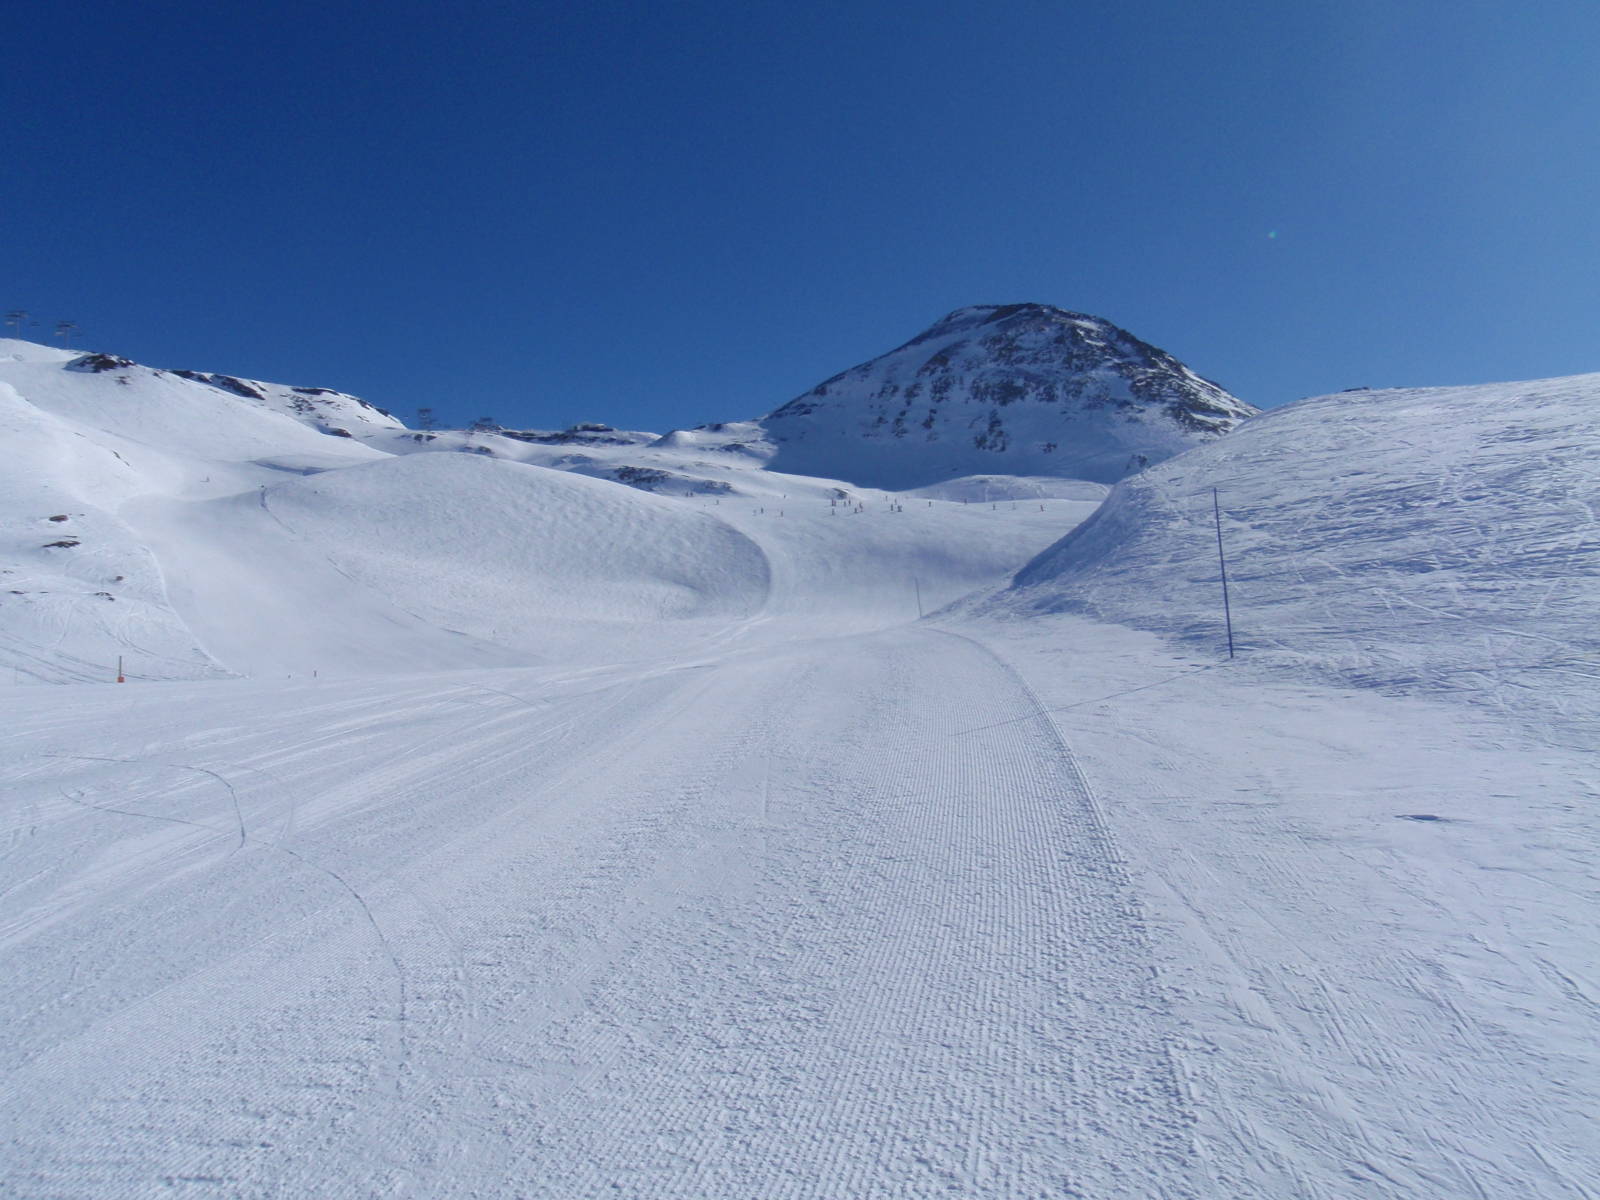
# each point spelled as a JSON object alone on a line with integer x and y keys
{"x": 17, "y": 318}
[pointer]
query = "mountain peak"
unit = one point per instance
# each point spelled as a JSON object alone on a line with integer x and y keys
{"x": 989, "y": 314}
{"x": 1024, "y": 389}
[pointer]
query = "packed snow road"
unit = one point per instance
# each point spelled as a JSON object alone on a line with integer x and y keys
{"x": 780, "y": 923}
{"x": 841, "y": 916}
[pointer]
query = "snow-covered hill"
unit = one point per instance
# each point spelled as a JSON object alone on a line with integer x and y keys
{"x": 1016, "y": 389}
{"x": 83, "y": 436}
{"x": 115, "y": 386}
{"x": 1435, "y": 539}
{"x": 196, "y": 526}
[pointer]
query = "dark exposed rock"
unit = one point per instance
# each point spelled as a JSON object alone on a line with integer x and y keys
{"x": 585, "y": 433}
{"x": 226, "y": 382}
{"x": 100, "y": 362}
{"x": 237, "y": 386}
{"x": 645, "y": 478}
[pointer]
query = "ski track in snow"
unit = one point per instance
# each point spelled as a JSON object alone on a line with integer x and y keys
{"x": 822, "y": 947}
{"x": 833, "y": 917}
{"x": 1369, "y": 1005}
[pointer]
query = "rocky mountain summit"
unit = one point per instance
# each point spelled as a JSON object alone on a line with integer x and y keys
{"x": 1020, "y": 389}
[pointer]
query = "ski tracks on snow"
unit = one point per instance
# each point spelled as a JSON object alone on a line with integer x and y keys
{"x": 934, "y": 981}
{"x": 782, "y": 926}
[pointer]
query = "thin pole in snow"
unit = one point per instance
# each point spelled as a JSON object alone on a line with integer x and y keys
{"x": 121, "y": 678}
{"x": 918, "y": 585}
{"x": 1227, "y": 612}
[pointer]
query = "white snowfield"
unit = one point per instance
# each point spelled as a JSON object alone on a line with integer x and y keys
{"x": 1442, "y": 541}
{"x": 472, "y": 828}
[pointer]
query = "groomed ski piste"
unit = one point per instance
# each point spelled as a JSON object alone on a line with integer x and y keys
{"x": 473, "y": 824}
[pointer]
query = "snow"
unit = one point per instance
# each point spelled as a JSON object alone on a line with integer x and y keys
{"x": 1437, "y": 540}
{"x": 21, "y": 350}
{"x": 95, "y": 446}
{"x": 984, "y": 489}
{"x": 1016, "y": 389}
{"x": 1361, "y": 1003}
{"x": 476, "y": 824}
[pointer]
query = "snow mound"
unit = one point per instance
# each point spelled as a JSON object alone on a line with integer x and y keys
{"x": 1442, "y": 539}
{"x": 745, "y": 438}
{"x": 1017, "y": 389}
{"x": 499, "y": 549}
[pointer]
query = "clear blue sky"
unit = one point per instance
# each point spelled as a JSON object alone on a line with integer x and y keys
{"x": 657, "y": 214}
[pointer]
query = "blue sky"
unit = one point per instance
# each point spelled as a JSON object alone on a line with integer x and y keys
{"x": 662, "y": 214}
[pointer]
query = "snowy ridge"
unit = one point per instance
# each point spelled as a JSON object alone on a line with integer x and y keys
{"x": 674, "y": 464}
{"x": 1436, "y": 539}
{"x": 1016, "y": 389}
{"x": 185, "y": 414}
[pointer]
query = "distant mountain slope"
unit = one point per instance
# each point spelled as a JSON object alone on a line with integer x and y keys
{"x": 1437, "y": 538}
{"x": 199, "y": 526}
{"x": 1017, "y": 389}
{"x": 108, "y": 385}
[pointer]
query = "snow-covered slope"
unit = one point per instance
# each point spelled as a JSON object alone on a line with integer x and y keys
{"x": 674, "y": 464}
{"x": 1438, "y": 538}
{"x": 1016, "y": 389}
{"x": 82, "y": 436}
{"x": 210, "y": 525}
{"x": 194, "y": 408}
{"x": 439, "y": 562}
{"x": 642, "y": 841}
{"x": 467, "y": 541}
{"x": 78, "y": 586}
